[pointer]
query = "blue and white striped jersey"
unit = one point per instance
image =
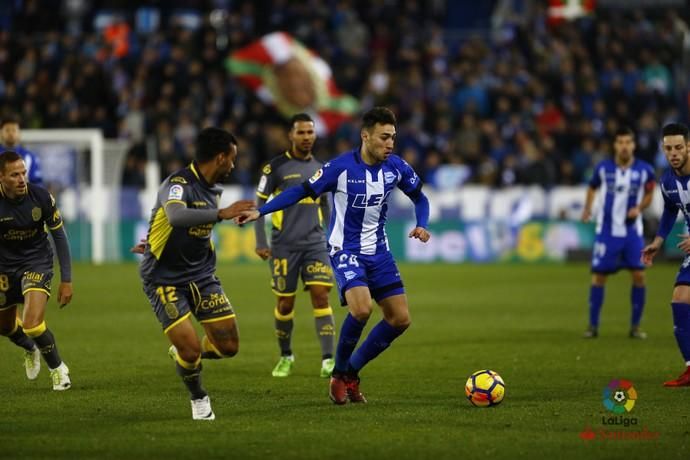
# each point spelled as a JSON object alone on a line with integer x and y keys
{"x": 360, "y": 194}
{"x": 621, "y": 190}
{"x": 674, "y": 190}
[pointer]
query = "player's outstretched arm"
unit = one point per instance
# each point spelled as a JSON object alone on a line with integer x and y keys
{"x": 247, "y": 216}
{"x": 286, "y": 199}
{"x": 262, "y": 249}
{"x": 180, "y": 216}
{"x": 236, "y": 209}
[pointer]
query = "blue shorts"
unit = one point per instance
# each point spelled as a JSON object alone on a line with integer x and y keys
{"x": 610, "y": 254}
{"x": 377, "y": 272}
{"x": 683, "y": 276}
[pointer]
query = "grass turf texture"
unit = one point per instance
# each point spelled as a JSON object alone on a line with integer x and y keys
{"x": 525, "y": 322}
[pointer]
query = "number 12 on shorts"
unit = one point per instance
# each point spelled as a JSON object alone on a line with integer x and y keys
{"x": 167, "y": 294}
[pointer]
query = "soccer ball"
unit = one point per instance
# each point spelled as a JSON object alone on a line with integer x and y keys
{"x": 485, "y": 388}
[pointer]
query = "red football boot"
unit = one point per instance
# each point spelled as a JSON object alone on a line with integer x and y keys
{"x": 337, "y": 389}
{"x": 353, "y": 393}
{"x": 682, "y": 381}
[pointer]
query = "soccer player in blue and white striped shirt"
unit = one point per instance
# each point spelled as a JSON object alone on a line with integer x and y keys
{"x": 626, "y": 185}
{"x": 675, "y": 189}
{"x": 361, "y": 182}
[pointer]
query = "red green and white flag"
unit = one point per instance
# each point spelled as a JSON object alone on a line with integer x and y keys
{"x": 283, "y": 72}
{"x": 567, "y": 10}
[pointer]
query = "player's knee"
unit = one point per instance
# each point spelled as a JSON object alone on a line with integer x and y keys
{"x": 401, "y": 322}
{"x": 286, "y": 305}
{"x": 189, "y": 352}
{"x": 319, "y": 300}
{"x": 361, "y": 313}
{"x": 229, "y": 348}
{"x": 598, "y": 280}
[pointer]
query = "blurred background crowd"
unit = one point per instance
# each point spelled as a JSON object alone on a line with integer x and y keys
{"x": 493, "y": 92}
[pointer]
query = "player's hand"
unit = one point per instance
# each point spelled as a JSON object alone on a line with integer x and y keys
{"x": 684, "y": 244}
{"x": 236, "y": 209}
{"x": 264, "y": 253}
{"x": 139, "y": 248}
{"x": 586, "y": 215}
{"x": 420, "y": 233}
{"x": 64, "y": 294}
{"x": 247, "y": 216}
{"x": 648, "y": 253}
{"x": 633, "y": 212}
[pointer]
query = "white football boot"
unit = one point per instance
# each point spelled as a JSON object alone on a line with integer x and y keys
{"x": 201, "y": 409}
{"x": 60, "y": 377}
{"x": 32, "y": 363}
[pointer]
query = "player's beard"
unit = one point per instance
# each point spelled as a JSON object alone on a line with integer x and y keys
{"x": 222, "y": 178}
{"x": 680, "y": 167}
{"x": 302, "y": 151}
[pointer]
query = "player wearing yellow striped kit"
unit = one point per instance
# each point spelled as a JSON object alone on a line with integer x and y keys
{"x": 27, "y": 213}
{"x": 298, "y": 246}
{"x": 178, "y": 269}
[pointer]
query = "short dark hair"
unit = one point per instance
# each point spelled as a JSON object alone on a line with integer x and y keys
{"x": 675, "y": 129}
{"x": 624, "y": 131}
{"x": 299, "y": 117}
{"x": 380, "y": 115}
{"x": 212, "y": 141}
{"x": 8, "y": 156}
{"x": 6, "y": 120}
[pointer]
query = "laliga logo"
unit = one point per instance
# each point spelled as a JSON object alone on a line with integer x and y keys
{"x": 619, "y": 396}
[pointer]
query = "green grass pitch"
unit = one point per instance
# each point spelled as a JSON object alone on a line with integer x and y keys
{"x": 524, "y": 322}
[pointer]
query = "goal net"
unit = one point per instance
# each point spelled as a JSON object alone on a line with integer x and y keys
{"x": 84, "y": 171}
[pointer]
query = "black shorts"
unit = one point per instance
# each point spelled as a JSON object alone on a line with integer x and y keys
{"x": 287, "y": 264}
{"x": 14, "y": 285}
{"x": 202, "y": 298}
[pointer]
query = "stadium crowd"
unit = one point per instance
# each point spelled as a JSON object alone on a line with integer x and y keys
{"x": 518, "y": 101}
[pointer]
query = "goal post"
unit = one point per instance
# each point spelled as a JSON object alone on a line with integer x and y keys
{"x": 91, "y": 140}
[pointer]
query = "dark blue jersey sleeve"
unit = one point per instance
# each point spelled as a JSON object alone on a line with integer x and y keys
{"x": 324, "y": 180}
{"x": 409, "y": 183}
{"x": 54, "y": 222}
{"x": 421, "y": 210}
{"x": 668, "y": 216}
{"x": 289, "y": 197}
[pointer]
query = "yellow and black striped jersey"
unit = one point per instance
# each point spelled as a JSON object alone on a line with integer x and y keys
{"x": 180, "y": 254}
{"x": 23, "y": 222}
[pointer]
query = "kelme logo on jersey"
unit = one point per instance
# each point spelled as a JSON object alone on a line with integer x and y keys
{"x": 619, "y": 396}
{"x": 317, "y": 175}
